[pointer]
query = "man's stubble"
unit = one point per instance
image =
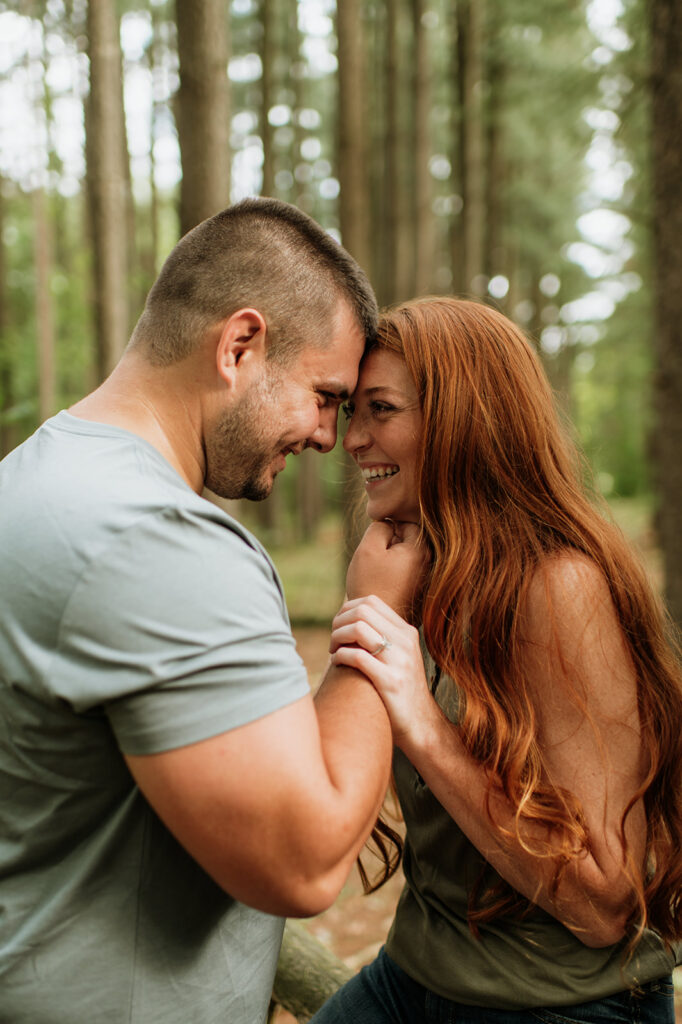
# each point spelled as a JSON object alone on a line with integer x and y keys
{"x": 238, "y": 450}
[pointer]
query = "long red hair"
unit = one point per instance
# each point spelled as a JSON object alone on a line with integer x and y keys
{"x": 502, "y": 488}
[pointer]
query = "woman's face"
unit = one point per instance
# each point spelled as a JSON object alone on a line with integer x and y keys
{"x": 383, "y": 436}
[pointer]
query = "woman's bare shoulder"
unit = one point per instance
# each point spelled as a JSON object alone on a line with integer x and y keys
{"x": 566, "y": 589}
{"x": 572, "y": 635}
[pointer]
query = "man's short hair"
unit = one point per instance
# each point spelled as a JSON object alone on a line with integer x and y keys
{"x": 259, "y": 253}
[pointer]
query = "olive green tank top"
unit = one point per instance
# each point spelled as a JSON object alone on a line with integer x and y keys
{"x": 514, "y": 964}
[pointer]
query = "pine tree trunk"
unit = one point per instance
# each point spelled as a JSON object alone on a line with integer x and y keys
{"x": 106, "y": 175}
{"x": 666, "y": 107}
{"x": 268, "y": 513}
{"x": 152, "y": 252}
{"x": 494, "y": 261}
{"x": 267, "y": 61}
{"x": 8, "y": 434}
{"x": 397, "y": 252}
{"x": 377, "y": 150}
{"x": 309, "y": 494}
{"x": 47, "y": 387}
{"x": 424, "y": 235}
{"x": 203, "y": 109}
{"x": 353, "y": 206}
{"x": 470, "y": 63}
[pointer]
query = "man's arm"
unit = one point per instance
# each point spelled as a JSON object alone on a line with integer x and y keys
{"x": 276, "y": 811}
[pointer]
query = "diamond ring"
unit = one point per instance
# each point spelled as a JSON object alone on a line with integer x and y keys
{"x": 383, "y": 646}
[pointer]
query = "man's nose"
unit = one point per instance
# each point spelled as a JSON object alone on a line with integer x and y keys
{"x": 323, "y": 438}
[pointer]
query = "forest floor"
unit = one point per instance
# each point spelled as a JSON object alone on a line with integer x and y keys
{"x": 356, "y": 925}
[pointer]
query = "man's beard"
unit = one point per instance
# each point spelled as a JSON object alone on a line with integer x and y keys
{"x": 237, "y": 453}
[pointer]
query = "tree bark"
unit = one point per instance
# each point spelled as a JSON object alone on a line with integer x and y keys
{"x": 470, "y": 15}
{"x": 150, "y": 256}
{"x": 309, "y": 494}
{"x": 665, "y": 20}
{"x": 424, "y": 236}
{"x": 47, "y": 384}
{"x": 203, "y": 109}
{"x": 352, "y": 128}
{"x": 107, "y": 184}
{"x": 494, "y": 261}
{"x": 353, "y": 207}
{"x": 268, "y": 513}
{"x": 266, "y": 130}
{"x": 390, "y": 179}
{"x": 8, "y": 434}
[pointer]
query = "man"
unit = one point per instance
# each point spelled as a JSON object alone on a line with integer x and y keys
{"x": 166, "y": 783}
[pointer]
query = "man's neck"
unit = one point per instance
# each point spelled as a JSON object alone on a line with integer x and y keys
{"x": 152, "y": 403}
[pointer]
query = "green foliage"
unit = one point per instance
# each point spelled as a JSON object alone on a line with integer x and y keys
{"x": 540, "y": 78}
{"x": 311, "y": 575}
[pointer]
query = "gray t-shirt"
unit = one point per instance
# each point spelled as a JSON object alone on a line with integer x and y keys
{"x": 134, "y": 616}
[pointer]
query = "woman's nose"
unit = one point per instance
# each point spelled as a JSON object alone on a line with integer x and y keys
{"x": 356, "y": 435}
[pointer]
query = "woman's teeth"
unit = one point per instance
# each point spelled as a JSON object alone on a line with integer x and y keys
{"x": 376, "y": 473}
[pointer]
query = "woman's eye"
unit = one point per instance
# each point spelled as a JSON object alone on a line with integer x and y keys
{"x": 381, "y": 407}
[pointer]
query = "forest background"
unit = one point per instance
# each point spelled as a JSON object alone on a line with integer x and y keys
{"x": 526, "y": 152}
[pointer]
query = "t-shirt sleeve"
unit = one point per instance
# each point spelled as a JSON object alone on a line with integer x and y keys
{"x": 179, "y": 631}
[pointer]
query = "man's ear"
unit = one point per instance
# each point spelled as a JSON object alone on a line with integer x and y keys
{"x": 241, "y": 345}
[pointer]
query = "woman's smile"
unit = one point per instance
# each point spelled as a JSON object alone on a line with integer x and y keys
{"x": 383, "y": 436}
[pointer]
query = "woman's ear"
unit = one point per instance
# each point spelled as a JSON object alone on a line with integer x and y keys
{"x": 241, "y": 346}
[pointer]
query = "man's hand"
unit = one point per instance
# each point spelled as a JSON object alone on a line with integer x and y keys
{"x": 390, "y": 561}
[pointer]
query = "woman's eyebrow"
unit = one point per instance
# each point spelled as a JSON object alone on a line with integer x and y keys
{"x": 382, "y": 387}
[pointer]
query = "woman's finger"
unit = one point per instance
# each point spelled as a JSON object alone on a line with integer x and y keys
{"x": 358, "y": 632}
{"x": 373, "y": 610}
{"x": 360, "y": 659}
{"x": 376, "y": 602}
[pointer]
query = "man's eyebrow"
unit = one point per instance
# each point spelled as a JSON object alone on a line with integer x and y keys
{"x": 334, "y": 388}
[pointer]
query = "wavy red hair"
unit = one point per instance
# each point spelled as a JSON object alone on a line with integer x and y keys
{"x": 502, "y": 488}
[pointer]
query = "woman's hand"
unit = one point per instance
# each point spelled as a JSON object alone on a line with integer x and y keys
{"x": 370, "y": 636}
{"x": 391, "y": 562}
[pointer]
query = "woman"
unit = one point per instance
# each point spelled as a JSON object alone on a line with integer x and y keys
{"x": 538, "y": 730}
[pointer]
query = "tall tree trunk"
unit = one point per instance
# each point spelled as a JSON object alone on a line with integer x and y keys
{"x": 424, "y": 235}
{"x": 377, "y": 151}
{"x": 309, "y": 494}
{"x": 8, "y": 434}
{"x": 398, "y": 222}
{"x": 47, "y": 386}
{"x": 152, "y": 250}
{"x": 354, "y": 206}
{"x": 470, "y": 14}
{"x": 666, "y": 108}
{"x": 107, "y": 184}
{"x": 268, "y": 512}
{"x": 144, "y": 244}
{"x": 267, "y": 91}
{"x": 457, "y": 48}
{"x": 352, "y": 132}
{"x": 203, "y": 109}
{"x": 405, "y": 160}
{"x": 494, "y": 258}
{"x": 293, "y": 43}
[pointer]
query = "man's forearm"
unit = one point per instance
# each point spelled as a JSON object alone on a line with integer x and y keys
{"x": 357, "y": 747}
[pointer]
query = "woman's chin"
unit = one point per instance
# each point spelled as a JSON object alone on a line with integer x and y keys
{"x": 378, "y": 511}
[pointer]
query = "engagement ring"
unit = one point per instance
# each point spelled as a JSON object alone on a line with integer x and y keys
{"x": 383, "y": 646}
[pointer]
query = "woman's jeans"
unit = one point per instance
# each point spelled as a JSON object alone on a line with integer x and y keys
{"x": 383, "y": 994}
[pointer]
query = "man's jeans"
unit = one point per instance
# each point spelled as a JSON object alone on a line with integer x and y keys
{"x": 383, "y": 994}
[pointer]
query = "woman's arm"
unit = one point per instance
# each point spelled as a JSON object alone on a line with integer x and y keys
{"x": 590, "y": 743}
